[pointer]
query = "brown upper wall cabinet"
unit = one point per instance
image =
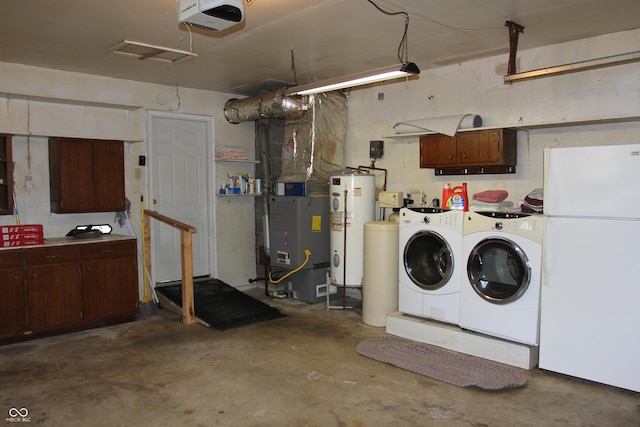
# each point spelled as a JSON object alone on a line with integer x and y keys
{"x": 471, "y": 152}
{"x": 6, "y": 176}
{"x": 86, "y": 175}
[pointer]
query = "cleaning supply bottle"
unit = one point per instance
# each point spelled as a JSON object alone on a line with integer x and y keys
{"x": 446, "y": 193}
{"x": 458, "y": 198}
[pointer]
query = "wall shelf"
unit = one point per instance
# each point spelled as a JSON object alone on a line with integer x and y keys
{"x": 246, "y": 164}
{"x": 68, "y": 101}
{"x": 530, "y": 126}
{"x": 255, "y": 162}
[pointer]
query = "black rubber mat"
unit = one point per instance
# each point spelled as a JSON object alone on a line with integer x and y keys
{"x": 222, "y": 306}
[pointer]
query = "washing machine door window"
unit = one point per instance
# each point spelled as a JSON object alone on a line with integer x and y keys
{"x": 428, "y": 260}
{"x": 498, "y": 270}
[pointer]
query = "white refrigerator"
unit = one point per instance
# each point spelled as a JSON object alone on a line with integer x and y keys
{"x": 590, "y": 297}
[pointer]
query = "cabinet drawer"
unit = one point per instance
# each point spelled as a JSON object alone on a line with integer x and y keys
{"x": 109, "y": 250}
{"x": 11, "y": 258}
{"x": 54, "y": 255}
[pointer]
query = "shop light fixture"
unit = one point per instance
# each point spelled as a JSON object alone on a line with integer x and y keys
{"x": 403, "y": 69}
{"x": 358, "y": 79}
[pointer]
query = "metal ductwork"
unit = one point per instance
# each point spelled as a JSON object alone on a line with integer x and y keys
{"x": 272, "y": 104}
{"x": 315, "y": 131}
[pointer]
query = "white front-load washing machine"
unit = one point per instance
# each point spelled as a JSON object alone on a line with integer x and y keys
{"x": 430, "y": 263}
{"x": 500, "y": 290}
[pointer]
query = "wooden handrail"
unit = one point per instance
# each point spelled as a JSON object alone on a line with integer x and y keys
{"x": 188, "y": 311}
{"x": 172, "y": 222}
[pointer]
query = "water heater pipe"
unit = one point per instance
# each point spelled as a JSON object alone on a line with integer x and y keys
{"x": 344, "y": 254}
{"x": 263, "y": 131}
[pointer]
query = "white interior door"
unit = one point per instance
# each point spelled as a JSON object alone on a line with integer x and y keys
{"x": 179, "y": 188}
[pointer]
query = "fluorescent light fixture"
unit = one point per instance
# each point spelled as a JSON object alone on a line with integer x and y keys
{"x": 574, "y": 67}
{"x": 358, "y": 79}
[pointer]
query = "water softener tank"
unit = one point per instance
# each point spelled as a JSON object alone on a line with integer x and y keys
{"x": 380, "y": 275}
{"x": 352, "y": 204}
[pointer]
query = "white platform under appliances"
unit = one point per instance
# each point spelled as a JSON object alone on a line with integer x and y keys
{"x": 500, "y": 290}
{"x": 590, "y": 307}
{"x": 430, "y": 264}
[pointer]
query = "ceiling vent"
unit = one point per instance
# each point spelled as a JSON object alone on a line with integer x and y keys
{"x": 143, "y": 51}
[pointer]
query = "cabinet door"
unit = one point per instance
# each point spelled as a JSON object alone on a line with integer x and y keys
{"x": 110, "y": 279}
{"x": 71, "y": 175}
{"x": 437, "y": 150}
{"x": 110, "y": 288}
{"x": 13, "y": 307}
{"x": 479, "y": 148}
{"x": 108, "y": 161}
{"x": 6, "y": 176}
{"x": 86, "y": 175}
{"x": 54, "y": 295}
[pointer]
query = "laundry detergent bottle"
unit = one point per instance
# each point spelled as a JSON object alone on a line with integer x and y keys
{"x": 457, "y": 198}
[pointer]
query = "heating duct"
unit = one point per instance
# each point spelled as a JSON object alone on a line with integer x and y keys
{"x": 313, "y": 147}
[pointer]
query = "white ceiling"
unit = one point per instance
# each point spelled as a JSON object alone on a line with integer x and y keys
{"x": 328, "y": 38}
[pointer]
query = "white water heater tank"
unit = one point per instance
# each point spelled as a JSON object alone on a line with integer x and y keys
{"x": 352, "y": 201}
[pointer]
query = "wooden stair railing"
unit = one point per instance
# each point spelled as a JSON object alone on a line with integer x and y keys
{"x": 188, "y": 312}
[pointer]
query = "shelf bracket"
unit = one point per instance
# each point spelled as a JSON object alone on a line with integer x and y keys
{"x": 514, "y": 34}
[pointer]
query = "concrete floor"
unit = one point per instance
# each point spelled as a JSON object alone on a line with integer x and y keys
{"x": 301, "y": 370}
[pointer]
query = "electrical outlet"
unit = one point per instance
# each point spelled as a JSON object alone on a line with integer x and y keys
{"x": 28, "y": 183}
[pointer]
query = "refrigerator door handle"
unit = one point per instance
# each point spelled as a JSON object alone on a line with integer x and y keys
{"x": 545, "y": 249}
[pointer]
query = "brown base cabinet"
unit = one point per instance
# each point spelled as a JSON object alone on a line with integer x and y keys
{"x": 102, "y": 267}
{"x": 58, "y": 288}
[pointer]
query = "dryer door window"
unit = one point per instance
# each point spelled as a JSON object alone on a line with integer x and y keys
{"x": 499, "y": 271}
{"x": 428, "y": 260}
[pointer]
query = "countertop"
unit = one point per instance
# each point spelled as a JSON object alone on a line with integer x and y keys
{"x": 61, "y": 241}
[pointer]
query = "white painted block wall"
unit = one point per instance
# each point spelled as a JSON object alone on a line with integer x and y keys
{"x": 72, "y": 104}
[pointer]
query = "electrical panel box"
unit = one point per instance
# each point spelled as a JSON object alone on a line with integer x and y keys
{"x": 376, "y": 149}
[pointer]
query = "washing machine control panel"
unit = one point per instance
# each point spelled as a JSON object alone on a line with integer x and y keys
{"x": 514, "y": 226}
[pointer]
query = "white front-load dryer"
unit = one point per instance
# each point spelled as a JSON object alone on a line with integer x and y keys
{"x": 500, "y": 291}
{"x": 430, "y": 263}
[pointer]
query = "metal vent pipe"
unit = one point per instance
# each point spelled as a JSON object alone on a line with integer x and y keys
{"x": 272, "y": 104}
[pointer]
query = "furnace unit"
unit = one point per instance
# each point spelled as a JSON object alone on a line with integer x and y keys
{"x": 300, "y": 224}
